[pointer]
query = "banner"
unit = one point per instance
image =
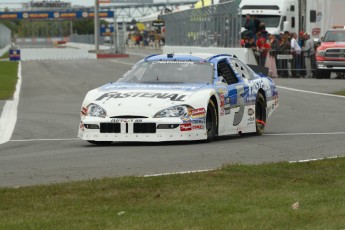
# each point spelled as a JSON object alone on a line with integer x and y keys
{"x": 55, "y": 15}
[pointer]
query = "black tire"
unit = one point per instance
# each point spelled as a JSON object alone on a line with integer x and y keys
{"x": 320, "y": 74}
{"x": 100, "y": 143}
{"x": 211, "y": 121}
{"x": 260, "y": 114}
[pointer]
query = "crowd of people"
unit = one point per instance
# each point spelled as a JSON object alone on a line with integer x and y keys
{"x": 284, "y": 54}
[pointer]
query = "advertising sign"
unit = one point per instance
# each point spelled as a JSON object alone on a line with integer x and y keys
{"x": 55, "y": 15}
{"x": 107, "y": 30}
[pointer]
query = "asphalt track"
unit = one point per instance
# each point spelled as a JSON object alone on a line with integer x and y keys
{"x": 43, "y": 148}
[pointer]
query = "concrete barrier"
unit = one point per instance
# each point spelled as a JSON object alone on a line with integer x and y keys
{"x": 244, "y": 54}
{"x": 4, "y": 50}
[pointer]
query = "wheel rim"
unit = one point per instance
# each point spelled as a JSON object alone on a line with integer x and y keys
{"x": 259, "y": 116}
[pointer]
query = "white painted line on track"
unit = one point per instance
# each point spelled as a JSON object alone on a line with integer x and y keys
{"x": 31, "y": 140}
{"x": 269, "y": 134}
{"x": 176, "y": 173}
{"x": 311, "y": 92}
{"x": 297, "y": 134}
{"x": 9, "y": 113}
{"x": 315, "y": 159}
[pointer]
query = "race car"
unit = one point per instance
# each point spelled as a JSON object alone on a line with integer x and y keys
{"x": 179, "y": 97}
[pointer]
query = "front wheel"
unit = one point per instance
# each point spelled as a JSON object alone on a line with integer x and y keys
{"x": 260, "y": 114}
{"x": 211, "y": 121}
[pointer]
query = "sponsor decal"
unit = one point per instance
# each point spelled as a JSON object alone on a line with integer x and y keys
{"x": 198, "y": 127}
{"x": 116, "y": 95}
{"x": 198, "y": 121}
{"x": 251, "y": 119}
{"x": 173, "y": 62}
{"x": 198, "y": 113}
{"x": 124, "y": 120}
{"x": 222, "y": 100}
{"x": 222, "y": 111}
{"x": 83, "y": 111}
{"x": 185, "y": 119}
{"x": 227, "y": 110}
{"x": 250, "y": 111}
{"x": 186, "y": 127}
{"x": 149, "y": 86}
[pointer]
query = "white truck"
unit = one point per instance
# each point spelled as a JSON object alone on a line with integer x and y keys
{"x": 312, "y": 16}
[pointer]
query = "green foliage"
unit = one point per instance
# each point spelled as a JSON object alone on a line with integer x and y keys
{"x": 8, "y": 79}
{"x": 235, "y": 197}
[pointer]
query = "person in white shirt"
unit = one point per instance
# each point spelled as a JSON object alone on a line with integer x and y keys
{"x": 296, "y": 55}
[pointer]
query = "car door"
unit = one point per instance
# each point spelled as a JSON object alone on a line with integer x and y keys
{"x": 233, "y": 106}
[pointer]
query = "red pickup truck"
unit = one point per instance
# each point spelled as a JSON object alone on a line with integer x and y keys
{"x": 330, "y": 55}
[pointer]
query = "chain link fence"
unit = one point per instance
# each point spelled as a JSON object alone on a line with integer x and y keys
{"x": 5, "y": 36}
{"x": 212, "y": 26}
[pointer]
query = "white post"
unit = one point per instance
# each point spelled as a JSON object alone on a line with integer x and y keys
{"x": 115, "y": 34}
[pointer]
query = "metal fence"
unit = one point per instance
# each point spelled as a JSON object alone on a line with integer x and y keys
{"x": 109, "y": 40}
{"x": 5, "y": 36}
{"x": 284, "y": 63}
{"x": 212, "y": 26}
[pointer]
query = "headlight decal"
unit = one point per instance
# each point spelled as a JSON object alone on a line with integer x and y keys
{"x": 175, "y": 111}
{"x": 95, "y": 110}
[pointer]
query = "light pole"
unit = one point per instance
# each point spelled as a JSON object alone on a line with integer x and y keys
{"x": 96, "y": 27}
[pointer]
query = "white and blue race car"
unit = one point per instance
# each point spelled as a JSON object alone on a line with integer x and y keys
{"x": 179, "y": 97}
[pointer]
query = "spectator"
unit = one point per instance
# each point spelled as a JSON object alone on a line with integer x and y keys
{"x": 263, "y": 48}
{"x": 257, "y": 23}
{"x": 271, "y": 56}
{"x": 250, "y": 27}
{"x": 309, "y": 52}
{"x": 252, "y": 43}
{"x": 262, "y": 30}
{"x": 296, "y": 55}
{"x": 283, "y": 64}
{"x": 301, "y": 41}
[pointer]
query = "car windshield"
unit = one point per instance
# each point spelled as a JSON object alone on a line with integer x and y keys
{"x": 335, "y": 36}
{"x": 166, "y": 71}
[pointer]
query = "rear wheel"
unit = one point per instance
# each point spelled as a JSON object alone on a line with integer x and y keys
{"x": 260, "y": 114}
{"x": 211, "y": 121}
{"x": 101, "y": 143}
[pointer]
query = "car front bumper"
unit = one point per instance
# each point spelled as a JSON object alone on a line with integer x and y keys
{"x": 142, "y": 130}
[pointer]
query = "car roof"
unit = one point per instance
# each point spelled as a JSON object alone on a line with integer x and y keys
{"x": 186, "y": 56}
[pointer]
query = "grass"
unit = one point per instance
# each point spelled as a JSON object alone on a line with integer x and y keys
{"x": 342, "y": 93}
{"x": 8, "y": 79}
{"x": 234, "y": 197}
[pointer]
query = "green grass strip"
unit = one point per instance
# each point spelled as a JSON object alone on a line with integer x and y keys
{"x": 8, "y": 79}
{"x": 234, "y": 197}
{"x": 342, "y": 93}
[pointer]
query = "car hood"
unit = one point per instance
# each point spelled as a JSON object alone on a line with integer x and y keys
{"x": 142, "y": 99}
{"x": 326, "y": 45}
